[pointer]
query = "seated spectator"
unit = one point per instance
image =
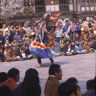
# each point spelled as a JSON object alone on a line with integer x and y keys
{"x": 30, "y": 85}
{"x": 58, "y": 35}
{"x": 14, "y": 43}
{"x": 72, "y": 80}
{"x": 72, "y": 48}
{"x": 7, "y": 44}
{"x": 27, "y": 52}
{"x": 17, "y": 53}
{"x": 22, "y": 51}
{"x": 86, "y": 46}
{"x": 31, "y": 72}
{"x": 79, "y": 48}
{"x": 90, "y": 84}
{"x": 3, "y": 79}
{"x": 5, "y": 91}
{"x": 2, "y": 56}
{"x": 13, "y": 78}
{"x": 17, "y": 37}
{"x": 2, "y": 40}
{"x": 95, "y": 85}
{"x": 67, "y": 48}
{"x": 9, "y": 54}
{"x": 22, "y": 32}
{"x": 90, "y": 88}
{"x": 62, "y": 43}
{"x": 77, "y": 37}
{"x": 68, "y": 89}
{"x": 7, "y": 34}
{"x": 55, "y": 74}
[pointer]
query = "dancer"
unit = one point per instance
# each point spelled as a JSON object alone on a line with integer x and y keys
{"x": 42, "y": 44}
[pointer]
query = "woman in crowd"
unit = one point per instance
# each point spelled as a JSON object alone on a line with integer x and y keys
{"x": 69, "y": 89}
{"x": 30, "y": 85}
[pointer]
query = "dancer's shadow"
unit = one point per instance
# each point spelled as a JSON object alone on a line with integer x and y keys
{"x": 59, "y": 63}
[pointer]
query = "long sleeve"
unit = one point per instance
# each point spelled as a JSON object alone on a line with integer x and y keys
{"x": 51, "y": 87}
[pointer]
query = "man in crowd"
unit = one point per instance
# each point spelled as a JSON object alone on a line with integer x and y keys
{"x": 55, "y": 74}
{"x": 13, "y": 78}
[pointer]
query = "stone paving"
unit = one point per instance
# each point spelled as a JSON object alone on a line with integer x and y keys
{"x": 80, "y": 66}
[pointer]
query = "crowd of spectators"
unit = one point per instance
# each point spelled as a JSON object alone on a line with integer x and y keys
{"x": 30, "y": 86}
{"x": 71, "y": 37}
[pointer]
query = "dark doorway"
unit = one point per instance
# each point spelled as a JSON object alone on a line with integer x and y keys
{"x": 39, "y": 5}
{"x": 64, "y": 5}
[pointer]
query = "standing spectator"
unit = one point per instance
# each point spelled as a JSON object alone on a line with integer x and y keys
{"x": 55, "y": 74}
{"x": 13, "y": 78}
{"x": 73, "y": 30}
{"x": 66, "y": 29}
{"x": 78, "y": 29}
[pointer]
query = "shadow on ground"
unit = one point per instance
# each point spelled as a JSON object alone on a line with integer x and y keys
{"x": 59, "y": 63}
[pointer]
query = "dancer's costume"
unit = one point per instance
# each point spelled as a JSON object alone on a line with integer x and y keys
{"x": 42, "y": 44}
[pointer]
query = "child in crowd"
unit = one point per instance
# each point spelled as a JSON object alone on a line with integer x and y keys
{"x": 9, "y": 54}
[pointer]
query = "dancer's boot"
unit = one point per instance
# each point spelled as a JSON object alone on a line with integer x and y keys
{"x": 52, "y": 61}
{"x": 39, "y": 62}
